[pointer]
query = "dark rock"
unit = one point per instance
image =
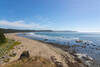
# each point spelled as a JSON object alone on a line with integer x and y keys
{"x": 12, "y": 55}
{"x": 85, "y": 58}
{"x": 79, "y": 41}
{"x": 83, "y": 46}
{"x": 25, "y": 54}
{"x": 77, "y": 59}
{"x": 94, "y": 45}
{"x": 45, "y": 39}
{"x": 97, "y": 48}
{"x": 58, "y": 64}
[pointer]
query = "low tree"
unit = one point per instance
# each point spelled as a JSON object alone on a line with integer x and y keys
{"x": 2, "y": 37}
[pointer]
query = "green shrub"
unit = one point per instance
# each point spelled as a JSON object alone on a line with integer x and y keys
{"x": 2, "y": 37}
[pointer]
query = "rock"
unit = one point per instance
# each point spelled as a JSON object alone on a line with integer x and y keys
{"x": 87, "y": 60}
{"x": 78, "y": 41}
{"x": 83, "y": 46}
{"x": 25, "y": 54}
{"x": 94, "y": 45}
{"x": 6, "y": 60}
{"x": 57, "y": 63}
{"x": 45, "y": 39}
{"x": 12, "y": 55}
{"x": 97, "y": 48}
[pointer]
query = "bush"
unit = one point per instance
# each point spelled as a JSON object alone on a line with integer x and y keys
{"x": 2, "y": 37}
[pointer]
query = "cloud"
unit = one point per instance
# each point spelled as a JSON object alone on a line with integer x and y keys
{"x": 20, "y": 25}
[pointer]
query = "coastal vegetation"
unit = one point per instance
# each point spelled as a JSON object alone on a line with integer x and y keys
{"x": 2, "y": 37}
{"x": 17, "y": 30}
{"x": 5, "y": 46}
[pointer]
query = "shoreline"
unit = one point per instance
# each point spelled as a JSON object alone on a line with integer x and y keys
{"x": 80, "y": 57}
{"x": 46, "y": 50}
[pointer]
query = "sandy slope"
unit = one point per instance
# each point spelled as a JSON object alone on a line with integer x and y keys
{"x": 37, "y": 48}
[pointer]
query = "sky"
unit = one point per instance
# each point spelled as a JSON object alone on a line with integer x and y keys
{"x": 76, "y": 15}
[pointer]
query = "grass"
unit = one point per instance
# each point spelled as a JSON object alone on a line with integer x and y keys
{"x": 14, "y": 44}
{"x": 1, "y": 43}
{"x": 7, "y": 46}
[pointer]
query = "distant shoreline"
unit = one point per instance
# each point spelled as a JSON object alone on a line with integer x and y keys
{"x": 18, "y": 30}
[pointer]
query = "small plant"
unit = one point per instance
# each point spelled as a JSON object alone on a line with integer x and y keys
{"x": 14, "y": 44}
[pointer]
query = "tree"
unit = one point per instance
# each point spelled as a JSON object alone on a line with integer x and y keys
{"x": 2, "y": 37}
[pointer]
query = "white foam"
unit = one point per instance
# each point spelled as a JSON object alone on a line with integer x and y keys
{"x": 57, "y": 39}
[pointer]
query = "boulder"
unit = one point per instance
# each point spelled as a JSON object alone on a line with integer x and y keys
{"x": 25, "y": 54}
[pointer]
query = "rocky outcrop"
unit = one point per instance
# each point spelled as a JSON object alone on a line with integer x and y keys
{"x": 25, "y": 54}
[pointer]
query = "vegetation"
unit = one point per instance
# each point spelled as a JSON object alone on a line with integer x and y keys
{"x": 6, "y": 47}
{"x": 14, "y": 44}
{"x": 2, "y": 37}
{"x": 16, "y": 30}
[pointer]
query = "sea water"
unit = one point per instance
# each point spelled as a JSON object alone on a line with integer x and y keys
{"x": 91, "y": 41}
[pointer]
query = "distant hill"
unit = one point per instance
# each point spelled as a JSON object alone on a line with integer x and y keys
{"x": 16, "y": 30}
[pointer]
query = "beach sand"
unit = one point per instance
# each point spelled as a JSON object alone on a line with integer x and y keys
{"x": 39, "y": 49}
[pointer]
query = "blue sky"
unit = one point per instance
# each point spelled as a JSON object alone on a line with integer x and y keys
{"x": 78, "y": 15}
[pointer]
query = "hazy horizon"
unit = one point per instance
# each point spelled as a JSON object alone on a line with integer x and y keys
{"x": 75, "y": 15}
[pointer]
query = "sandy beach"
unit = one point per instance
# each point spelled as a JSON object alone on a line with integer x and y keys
{"x": 36, "y": 48}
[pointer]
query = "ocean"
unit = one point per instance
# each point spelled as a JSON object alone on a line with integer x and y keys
{"x": 86, "y": 43}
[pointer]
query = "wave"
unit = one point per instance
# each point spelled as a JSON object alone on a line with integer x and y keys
{"x": 57, "y": 39}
